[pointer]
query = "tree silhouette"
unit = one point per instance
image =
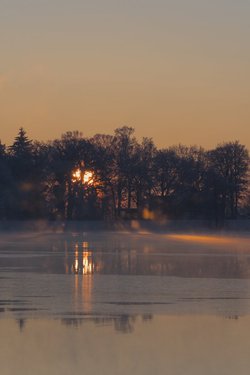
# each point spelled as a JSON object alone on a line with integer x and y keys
{"x": 229, "y": 163}
{"x": 128, "y": 177}
{"x": 22, "y": 168}
{"x": 5, "y": 180}
{"x": 22, "y": 146}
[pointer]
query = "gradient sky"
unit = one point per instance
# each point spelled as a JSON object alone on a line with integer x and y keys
{"x": 177, "y": 71}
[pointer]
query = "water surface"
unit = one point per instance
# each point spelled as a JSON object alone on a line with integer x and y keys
{"x": 119, "y": 303}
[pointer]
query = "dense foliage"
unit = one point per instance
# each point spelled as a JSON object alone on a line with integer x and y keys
{"x": 115, "y": 176}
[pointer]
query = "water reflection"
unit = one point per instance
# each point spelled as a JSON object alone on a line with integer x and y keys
{"x": 83, "y": 262}
{"x": 75, "y": 276}
{"x": 190, "y": 345}
{"x": 146, "y": 261}
{"x": 82, "y": 266}
{"x": 21, "y": 324}
{"x": 64, "y": 298}
{"x": 122, "y": 323}
{"x": 113, "y": 254}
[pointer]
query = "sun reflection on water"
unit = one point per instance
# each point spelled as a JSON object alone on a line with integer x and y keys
{"x": 83, "y": 262}
{"x": 83, "y": 268}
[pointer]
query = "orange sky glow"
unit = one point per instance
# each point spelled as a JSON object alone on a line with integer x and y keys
{"x": 175, "y": 71}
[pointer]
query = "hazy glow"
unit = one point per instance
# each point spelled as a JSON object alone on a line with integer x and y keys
{"x": 147, "y": 214}
{"x": 202, "y": 238}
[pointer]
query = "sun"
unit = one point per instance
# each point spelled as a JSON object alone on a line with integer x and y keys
{"x": 77, "y": 175}
{"x": 86, "y": 177}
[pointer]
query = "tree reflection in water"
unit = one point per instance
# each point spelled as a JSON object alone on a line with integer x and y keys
{"x": 123, "y": 323}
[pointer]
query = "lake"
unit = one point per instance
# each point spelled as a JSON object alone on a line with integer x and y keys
{"x": 124, "y": 302}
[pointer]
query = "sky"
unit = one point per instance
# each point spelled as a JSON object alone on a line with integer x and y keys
{"x": 175, "y": 70}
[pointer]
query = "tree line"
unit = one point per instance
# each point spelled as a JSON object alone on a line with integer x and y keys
{"x": 116, "y": 176}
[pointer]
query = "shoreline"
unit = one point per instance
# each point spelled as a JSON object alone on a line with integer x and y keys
{"x": 167, "y": 226}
